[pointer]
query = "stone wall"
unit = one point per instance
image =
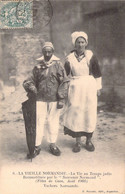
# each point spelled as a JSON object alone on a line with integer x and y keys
{"x": 20, "y": 53}
{"x": 20, "y": 47}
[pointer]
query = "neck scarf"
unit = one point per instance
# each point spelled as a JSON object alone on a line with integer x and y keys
{"x": 79, "y": 57}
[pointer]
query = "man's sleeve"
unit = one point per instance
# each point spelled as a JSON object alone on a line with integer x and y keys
{"x": 30, "y": 83}
{"x": 67, "y": 67}
{"x": 62, "y": 92}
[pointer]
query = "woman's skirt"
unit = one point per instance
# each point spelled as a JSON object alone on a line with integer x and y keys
{"x": 81, "y": 107}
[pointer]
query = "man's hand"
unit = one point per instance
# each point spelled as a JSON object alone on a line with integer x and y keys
{"x": 59, "y": 105}
{"x": 33, "y": 90}
{"x": 32, "y": 94}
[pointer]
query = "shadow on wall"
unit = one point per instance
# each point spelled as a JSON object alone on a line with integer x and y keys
{"x": 112, "y": 102}
{"x": 113, "y": 92}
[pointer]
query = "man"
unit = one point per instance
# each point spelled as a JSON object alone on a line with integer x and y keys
{"x": 49, "y": 85}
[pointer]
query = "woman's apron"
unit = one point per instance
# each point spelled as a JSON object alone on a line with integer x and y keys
{"x": 81, "y": 107}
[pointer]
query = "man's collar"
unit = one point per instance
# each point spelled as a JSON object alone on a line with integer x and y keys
{"x": 53, "y": 58}
{"x": 47, "y": 64}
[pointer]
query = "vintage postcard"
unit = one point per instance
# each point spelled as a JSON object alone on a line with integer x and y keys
{"x": 62, "y": 95}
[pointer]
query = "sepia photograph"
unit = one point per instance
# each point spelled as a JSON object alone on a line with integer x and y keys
{"x": 62, "y": 96}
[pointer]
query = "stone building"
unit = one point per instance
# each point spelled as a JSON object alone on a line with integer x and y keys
{"x": 103, "y": 21}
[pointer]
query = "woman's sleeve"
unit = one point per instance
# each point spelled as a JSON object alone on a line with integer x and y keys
{"x": 96, "y": 71}
{"x": 94, "y": 67}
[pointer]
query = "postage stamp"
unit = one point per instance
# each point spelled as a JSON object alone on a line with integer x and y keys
{"x": 16, "y": 14}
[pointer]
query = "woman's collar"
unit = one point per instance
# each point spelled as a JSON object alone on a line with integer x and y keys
{"x": 79, "y": 57}
{"x": 81, "y": 54}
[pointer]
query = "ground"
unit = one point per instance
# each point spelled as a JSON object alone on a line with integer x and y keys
{"x": 109, "y": 141}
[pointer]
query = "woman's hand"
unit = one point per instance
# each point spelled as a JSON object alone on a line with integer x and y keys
{"x": 98, "y": 92}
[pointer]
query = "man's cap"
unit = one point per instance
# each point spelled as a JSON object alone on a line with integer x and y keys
{"x": 48, "y": 44}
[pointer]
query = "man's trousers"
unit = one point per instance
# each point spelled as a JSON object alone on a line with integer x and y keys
{"x": 47, "y": 121}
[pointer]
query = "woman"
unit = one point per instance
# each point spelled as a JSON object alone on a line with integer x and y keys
{"x": 85, "y": 82}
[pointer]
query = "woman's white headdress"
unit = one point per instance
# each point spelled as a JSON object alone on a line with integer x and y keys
{"x": 76, "y": 35}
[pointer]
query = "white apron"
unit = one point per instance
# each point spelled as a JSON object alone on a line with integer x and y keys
{"x": 81, "y": 107}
